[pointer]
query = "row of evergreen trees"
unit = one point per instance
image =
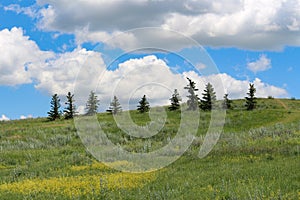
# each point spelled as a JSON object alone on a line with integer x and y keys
{"x": 69, "y": 111}
{"x": 207, "y": 103}
{"x": 209, "y": 99}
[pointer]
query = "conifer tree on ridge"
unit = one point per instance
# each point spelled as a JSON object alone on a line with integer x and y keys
{"x": 193, "y": 99}
{"x": 208, "y": 98}
{"x": 115, "y": 107}
{"x": 175, "y": 101}
{"x": 70, "y": 109}
{"x": 143, "y": 105}
{"x": 92, "y": 104}
{"x": 251, "y": 99}
{"x": 54, "y": 112}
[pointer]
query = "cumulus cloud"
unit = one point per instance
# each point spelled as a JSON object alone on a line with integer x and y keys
{"x": 18, "y": 55}
{"x": 22, "y": 62}
{"x": 237, "y": 89}
{"x": 135, "y": 77}
{"x": 59, "y": 74}
{"x": 81, "y": 71}
{"x": 262, "y": 64}
{"x": 26, "y": 117}
{"x": 148, "y": 75}
{"x": 132, "y": 79}
{"x": 4, "y": 118}
{"x": 244, "y": 24}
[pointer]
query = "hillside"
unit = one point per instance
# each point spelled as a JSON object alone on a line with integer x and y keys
{"x": 256, "y": 157}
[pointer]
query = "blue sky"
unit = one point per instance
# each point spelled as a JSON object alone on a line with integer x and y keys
{"x": 46, "y": 44}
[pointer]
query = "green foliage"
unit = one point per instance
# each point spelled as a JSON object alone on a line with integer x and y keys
{"x": 70, "y": 110}
{"x": 92, "y": 104}
{"x": 208, "y": 98}
{"x": 115, "y": 106}
{"x": 193, "y": 99}
{"x": 226, "y": 104}
{"x": 175, "y": 101}
{"x": 143, "y": 105}
{"x": 256, "y": 157}
{"x": 54, "y": 112}
{"x": 251, "y": 99}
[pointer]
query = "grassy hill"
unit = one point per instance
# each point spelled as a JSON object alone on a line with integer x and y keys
{"x": 256, "y": 157}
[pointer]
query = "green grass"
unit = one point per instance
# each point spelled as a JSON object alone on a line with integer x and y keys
{"x": 256, "y": 157}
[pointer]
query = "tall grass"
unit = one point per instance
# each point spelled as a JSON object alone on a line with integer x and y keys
{"x": 256, "y": 157}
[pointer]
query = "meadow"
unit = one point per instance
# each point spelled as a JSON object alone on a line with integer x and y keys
{"x": 256, "y": 157}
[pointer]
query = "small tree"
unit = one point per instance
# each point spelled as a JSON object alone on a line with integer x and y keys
{"x": 208, "y": 98}
{"x": 143, "y": 105}
{"x": 193, "y": 99}
{"x": 92, "y": 104}
{"x": 251, "y": 99}
{"x": 69, "y": 110}
{"x": 115, "y": 107}
{"x": 226, "y": 102}
{"x": 54, "y": 112}
{"x": 175, "y": 101}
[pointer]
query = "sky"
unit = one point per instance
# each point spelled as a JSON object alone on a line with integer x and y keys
{"x": 136, "y": 47}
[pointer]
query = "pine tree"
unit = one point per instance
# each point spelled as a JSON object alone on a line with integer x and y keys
{"x": 193, "y": 99}
{"x": 69, "y": 111}
{"x": 54, "y": 112}
{"x": 143, "y": 105}
{"x": 175, "y": 101}
{"x": 226, "y": 102}
{"x": 115, "y": 107}
{"x": 92, "y": 104}
{"x": 251, "y": 99}
{"x": 208, "y": 98}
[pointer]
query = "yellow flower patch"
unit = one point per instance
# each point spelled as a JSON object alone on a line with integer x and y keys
{"x": 2, "y": 167}
{"x": 95, "y": 165}
{"x": 79, "y": 185}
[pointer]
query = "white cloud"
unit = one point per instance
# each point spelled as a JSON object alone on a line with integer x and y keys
{"x": 18, "y": 56}
{"x": 59, "y": 74}
{"x": 81, "y": 109}
{"x": 237, "y": 89}
{"x": 135, "y": 77}
{"x": 201, "y": 66}
{"x": 85, "y": 71}
{"x": 152, "y": 76}
{"x": 26, "y": 117}
{"x": 23, "y": 62}
{"x": 244, "y": 24}
{"x": 30, "y": 11}
{"x": 262, "y": 64}
{"x": 265, "y": 90}
{"x": 4, "y": 118}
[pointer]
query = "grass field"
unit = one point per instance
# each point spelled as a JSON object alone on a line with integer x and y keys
{"x": 256, "y": 157}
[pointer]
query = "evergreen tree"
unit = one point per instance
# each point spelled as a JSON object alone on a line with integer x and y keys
{"x": 115, "y": 107}
{"x": 193, "y": 99}
{"x": 226, "y": 102}
{"x": 143, "y": 105}
{"x": 175, "y": 101}
{"x": 69, "y": 111}
{"x": 92, "y": 104}
{"x": 251, "y": 99}
{"x": 54, "y": 112}
{"x": 208, "y": 98}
